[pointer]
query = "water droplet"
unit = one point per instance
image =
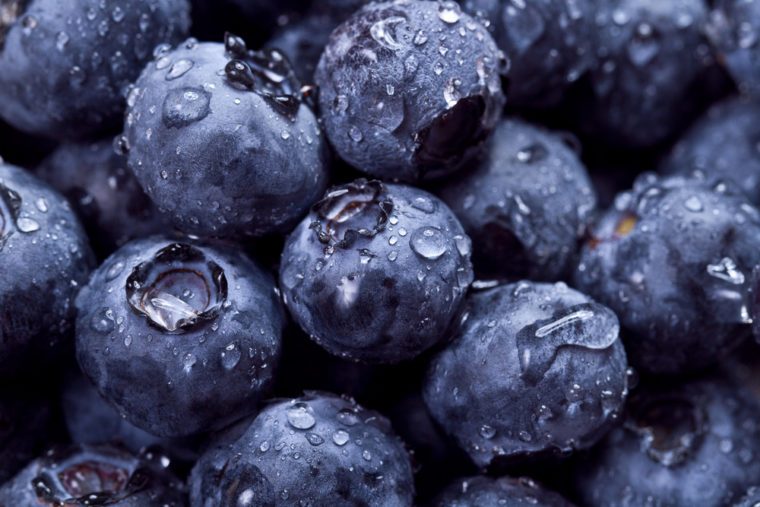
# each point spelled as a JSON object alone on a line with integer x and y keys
{"x": 525, "y": 436}
{"x": 61, "y": 40}
{"x": 693, "y": 204}
{"x": 42, "y": 205}
{"x": 355, "y": 134}
{"x": 428, "y": 242}
{"x": 449, "y": 12}
{"x": 300, "y": 416}
{"x": 285, "y": 135}
{"x": 423, "y": 203}
{"x": 179, "y": 69}
{"x": 487, "y": 432}
{"x": 383, "y": 32}
{"x": 314, "y": 439}
{"x": 464, "y": 245}
{"x": 230, "y": 356}
{"x": 102, "y": 321}
{"x": 340, "y": 438}
{"x": 188, "y": 362}
{"x": 367, "y": 455}
{"x": 185, "y": 106}
{"x": 114, "y": 271}
{"x": 27, "y": 225}
{"x": 727, "y": 271}
{"x": 348, "y": 417}
{"x": 532, "y": 153}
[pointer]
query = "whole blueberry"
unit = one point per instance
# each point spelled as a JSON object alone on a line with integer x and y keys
{"x": 44, "y": 260}
{"x": 315, "y": 450}
{"x": 93, "y": 475}
{"x": 409, "y": 89}
{"x": 649, "y": 54}
{"x": 376, "y": 272}
{"x": 220, "y": 140}
{"x": 723, "y": 145}
{"x": 673, "y": 258}
{"x": 180, "y": 336}
{"x": 104, "y": 193}
{"x": 482, "y": 491}
{"x": 64, "y": 65}
{"x": 549, "y": 44}
{"x": 679, "y": 445}
{"x": 532, "y": 369}
{"x": 732, "y": 29}
{"x": 526, "y": 205}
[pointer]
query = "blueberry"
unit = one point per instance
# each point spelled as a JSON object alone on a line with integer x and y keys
{"x": 181, "y": 337}
{"x": 548, "y": 43}
{"x": 63, "y": 65}
{"x": 315, "y": 450}
{"x": 723, "y": 145}
{"x": 732, "y": 29}
{"x": 481, "y": 491}
{"x": 409, "y": 89}
{"x": 93, "y": 475}
{"x": 650, "y": 52}
{"x": 104, "y": 193}
{"x": 672, "y": 258}
{"x": 751, "y": 499}
{"x": 693, "y": 444}
{"x": 526, "y": 205}
{"x": 376, "y": 272}
{"x": 25, "y": 429}
{"x": 91, "y": 420}
{"x": 45, "y": 259}
{"x": 532, "y": 369}
{"x": 220, "y": 139}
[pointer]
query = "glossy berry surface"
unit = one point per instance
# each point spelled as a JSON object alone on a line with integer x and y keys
{"x": 93, "y": 475}
{"x": 63, "y": 65}
{"x": 181, "y": 337}
{"x": 221, "y": 140}
{"x": 409, "y": 89}
{"x": 673, "y": 259}
{"x": 532, "y": 369}
{"x": 526, "y": 205}
{"x": 317, "y": 449}
{"x": 377, "y": 271}
{"x": 688, "y": 445}
{"x": 482, "y": 491}
{"x": 45, "y": 259}
{"x": 733, "y": 29}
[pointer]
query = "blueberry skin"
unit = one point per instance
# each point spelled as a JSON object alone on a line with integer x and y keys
{"x": 104, "y": 193}
{"x": 732, "y": 30}
{"x": 683, "y": 445}
{"x": 526, "y": 205}
{"x": 649, "y": 54}
{"x": 93, "y": 475}
{"x": 482, "y": 491}
{"x": 532, "y": 369}
{"x": 549, "y": 45}
{"x": 91, "y": 420}
{"x": 751, "y": 499}
{"x": 179, "y": 377}
{"x": 44, "y": 260}
{"x": 319, "y": 449}
{"x": 722, "y": 145}
{"x": 376, "y": 272}
{"x": 64, "y": 65}
{"x": 673, "y": 258}
{"x": 25, "y": 430}
{"x": 409, "y": 89}
{"x": 217, "y": 159}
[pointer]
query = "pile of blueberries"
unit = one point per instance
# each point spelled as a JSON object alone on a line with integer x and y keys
{"x": 260, "y": 253}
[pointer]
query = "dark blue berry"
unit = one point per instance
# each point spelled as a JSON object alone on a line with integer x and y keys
{"x": 481, "y": 491}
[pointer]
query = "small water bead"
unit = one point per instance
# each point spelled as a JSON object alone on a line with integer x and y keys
{"x": 340, "y": 438}
{"x": 487, "y": 432}
{"x": 230, "y": 356}
{"x": 314, "y": 439}
{"x": 449, "y": 12}
{"x": 348, "y": 417}
{"x": 693, "y": 204}
{"x": 179, "y": 69}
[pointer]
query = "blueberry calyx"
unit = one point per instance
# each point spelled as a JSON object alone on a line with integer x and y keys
{"x": 177, "y": 289}
{"x": 266, "y": 72}
{"x": 10, "y": 206}
{"x": 670, "y": 428}
{"x": 10, "y": 11}
{"x": 360, "y": 208}
{"x": 623, "y": 227}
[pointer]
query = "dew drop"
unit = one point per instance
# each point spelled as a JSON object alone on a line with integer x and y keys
{"x": 428, "y": 242}
{"x": 300, "y": 416}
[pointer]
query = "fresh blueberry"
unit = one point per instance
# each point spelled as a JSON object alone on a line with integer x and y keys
{"x": 533, "y": 369}
{"x": 673, "y": 258}
{"x": 732, "y": 29}
{"x": 315, "y": 450}
{"x": 481, "y": 491}
{"x": 526, "y": 206}
{"x": 64, "y": 65}
{"x": 694, "y": 444}
{"x": 409, "y": 89}
{"x": 181, "y": 337}
{"x": 548, "y": 43}
{"x": 91, "y": 420}
{"x": 104, "y": 193}
{"x": 93, "y": 475}
{"x": 723, "y": 145}
{"x": 220, "y": 139}
{"x": 45, "y": 259}
{"x": 376, "y": 272}
{"x": 25, "y": 429}
{"x": 650, "y": 53}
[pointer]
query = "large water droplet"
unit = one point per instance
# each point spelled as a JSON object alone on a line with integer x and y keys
{"x": 300, "y": 416}
{"x": 185, "y": 106}
{"x": 27, "y": 225}
{"x": 384, "y": 30}
{"x": 230, "y": 356}
{"x": 449, "y": 12}
{"x": 340, "y": 438}
{"x": 179, "y": 69}
{"x": 429, "y": 243}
